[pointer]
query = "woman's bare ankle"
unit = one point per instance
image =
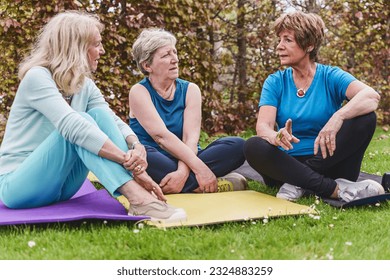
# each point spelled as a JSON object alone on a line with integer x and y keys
{"x": 135, "y": 193}
{"x": 335, "y": 193}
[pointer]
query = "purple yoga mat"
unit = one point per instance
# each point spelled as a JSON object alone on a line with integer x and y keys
{"x": 87, "y": 203}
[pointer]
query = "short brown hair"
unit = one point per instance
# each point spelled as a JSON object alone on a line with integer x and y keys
{"x": 308, "y": 29}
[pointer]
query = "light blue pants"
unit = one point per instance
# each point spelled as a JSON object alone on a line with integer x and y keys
{"x": 56, "y": 169}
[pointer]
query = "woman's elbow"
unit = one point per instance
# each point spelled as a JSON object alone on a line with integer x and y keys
{"x": 161, "y": 139}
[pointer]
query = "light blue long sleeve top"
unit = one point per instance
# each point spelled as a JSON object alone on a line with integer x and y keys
{"x": 39, "y": 109}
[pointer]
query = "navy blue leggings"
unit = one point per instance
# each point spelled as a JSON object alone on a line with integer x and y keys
{"x": 221, "y": 156}
{"x": 313, "y": 172}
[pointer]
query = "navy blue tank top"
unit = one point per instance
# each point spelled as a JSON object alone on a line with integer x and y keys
{"x": 170, "y": 111}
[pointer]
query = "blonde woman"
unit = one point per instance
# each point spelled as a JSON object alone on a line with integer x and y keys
{"x": 60, "y": 127}
{"x": 319, "y": 145}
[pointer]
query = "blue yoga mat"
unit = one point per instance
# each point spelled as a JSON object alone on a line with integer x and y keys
{"x": 87, "y": 203}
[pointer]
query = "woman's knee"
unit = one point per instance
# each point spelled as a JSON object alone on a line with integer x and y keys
{"x": 370, "y": 120}
{"x": 96, "y": 115}
{"x": 362, "y": 125}
{"x": 256, "y": 148}
{"x": 98, "y": 112}
{"x": 233, "y": 141}
{"x": 88, "y": 117}
{"x": 236, "y": 149}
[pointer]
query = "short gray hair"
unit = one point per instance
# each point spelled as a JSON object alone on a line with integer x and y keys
{"x": 147, "y": 43}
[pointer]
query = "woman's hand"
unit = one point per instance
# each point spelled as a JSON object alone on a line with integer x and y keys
{"x": 326, "y": 139}
{"x": 284, "y": 136}
{"x": 136, "y": 160}
{"x": 207, "y": 181}
{"x": 173, "y": 182}
{"x": 148, "y": 184}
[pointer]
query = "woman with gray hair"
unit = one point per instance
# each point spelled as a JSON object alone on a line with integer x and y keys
{"x": 165, "y": 113}
{"x": 304, "y": 101}
{"x": 60, "y": 127}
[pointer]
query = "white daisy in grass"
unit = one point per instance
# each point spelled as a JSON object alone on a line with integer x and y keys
{"x": 348, "y": 243}
{"x": 31, "y": 243}
{"x": 329, "y": 255}
{"x": 136, "y": 231}
{"x": 314, "y": 217}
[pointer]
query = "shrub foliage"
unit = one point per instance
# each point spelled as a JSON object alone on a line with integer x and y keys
{"x": 225, "y": 46}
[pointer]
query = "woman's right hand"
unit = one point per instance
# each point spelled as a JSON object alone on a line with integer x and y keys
{"x": 148, "y": 184}
{"x": 284, "y": 136}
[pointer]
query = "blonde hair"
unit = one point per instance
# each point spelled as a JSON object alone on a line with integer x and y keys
{"x": 62, "y": 47}
{"x": 308, "y": 29}
{"x": 147, "y": 43}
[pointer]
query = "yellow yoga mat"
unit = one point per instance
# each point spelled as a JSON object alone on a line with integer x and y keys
{"x": 213, "y": 208}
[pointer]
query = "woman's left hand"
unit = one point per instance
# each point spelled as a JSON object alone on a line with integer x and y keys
{"x": 136, "y": 162}
{"x": 326, "y": 139}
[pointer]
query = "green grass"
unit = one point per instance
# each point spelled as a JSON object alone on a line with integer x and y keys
{"x": 352, "y": 234}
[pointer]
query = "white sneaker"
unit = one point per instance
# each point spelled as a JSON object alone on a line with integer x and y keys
{"x": 349, "y": 191}
{"x": 290, "y": 192}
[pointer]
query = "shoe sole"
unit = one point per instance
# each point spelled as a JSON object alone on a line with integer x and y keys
{"x": 285, "y": 198}
{"x": 179, "y": 216}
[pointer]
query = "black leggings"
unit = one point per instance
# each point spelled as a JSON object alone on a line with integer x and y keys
{"x": 313, "y": 172}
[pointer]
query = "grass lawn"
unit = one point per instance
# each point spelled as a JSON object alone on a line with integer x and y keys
{"x": 352, "y": 234}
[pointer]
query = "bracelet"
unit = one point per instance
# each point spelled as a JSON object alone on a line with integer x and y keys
{"x": 135, "y": 143}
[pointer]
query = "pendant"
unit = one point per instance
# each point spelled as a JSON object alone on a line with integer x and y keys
{"x": 301, "y": 93}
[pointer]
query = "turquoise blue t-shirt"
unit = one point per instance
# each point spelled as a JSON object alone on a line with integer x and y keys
{"x": 310, "y": 113}
{"x": 170, "y": 111}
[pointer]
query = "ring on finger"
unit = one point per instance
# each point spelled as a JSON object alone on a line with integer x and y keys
{"x": 279, "y": 135}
